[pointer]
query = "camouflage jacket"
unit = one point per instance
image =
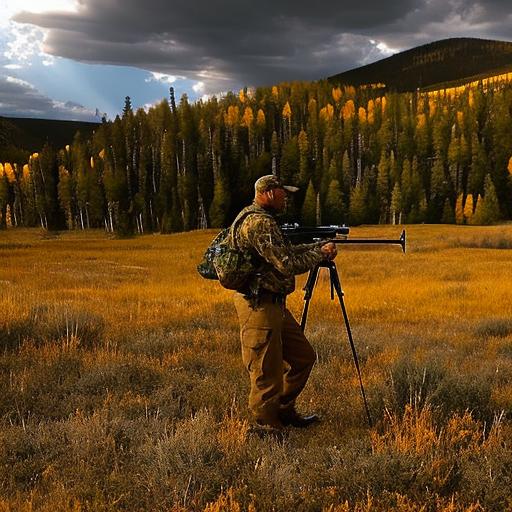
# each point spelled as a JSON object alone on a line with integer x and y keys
{"x": 260, "y": 235}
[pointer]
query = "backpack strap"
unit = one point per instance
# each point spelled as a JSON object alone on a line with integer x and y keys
{"x": 238, "y": 222}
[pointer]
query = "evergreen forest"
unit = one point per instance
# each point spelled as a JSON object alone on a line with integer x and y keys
{"x": 359, "y": 155}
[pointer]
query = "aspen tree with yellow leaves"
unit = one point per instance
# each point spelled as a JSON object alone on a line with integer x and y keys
{"x": 468, "y": 209}
{"x": 337, "y": 94}
{"x": 287, "y": 118}
{"x": 260, "y": 131}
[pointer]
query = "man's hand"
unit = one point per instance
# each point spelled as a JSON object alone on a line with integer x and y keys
{"x": 329, "y": 251}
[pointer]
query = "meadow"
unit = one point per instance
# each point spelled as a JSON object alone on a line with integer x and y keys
{"x": 122, "y": 386}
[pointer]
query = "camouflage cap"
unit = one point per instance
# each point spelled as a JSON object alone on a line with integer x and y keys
{"x": 270, "y": 182}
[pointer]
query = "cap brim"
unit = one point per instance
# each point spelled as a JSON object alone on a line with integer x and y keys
{"x": 290, "y": 188}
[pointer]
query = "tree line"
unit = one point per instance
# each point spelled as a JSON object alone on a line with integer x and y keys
{"x": 359, "y": 155}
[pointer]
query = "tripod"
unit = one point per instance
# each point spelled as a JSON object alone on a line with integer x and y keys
{"x": 335, "y": 287}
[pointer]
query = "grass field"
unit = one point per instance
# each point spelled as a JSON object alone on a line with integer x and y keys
{"x": 122, "y": 386}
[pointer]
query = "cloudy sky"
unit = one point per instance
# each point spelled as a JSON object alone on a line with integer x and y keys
{"x": 75, "y": 59}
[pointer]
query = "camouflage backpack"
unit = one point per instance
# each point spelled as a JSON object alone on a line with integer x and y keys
{"x": 223, "y": 259}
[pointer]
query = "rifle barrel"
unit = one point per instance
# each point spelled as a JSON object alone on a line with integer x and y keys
{"x": 400, "y": 241}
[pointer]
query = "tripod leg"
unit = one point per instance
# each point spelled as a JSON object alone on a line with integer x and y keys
{"x": 308, "y": 293}
{"x": 335, "y": 282}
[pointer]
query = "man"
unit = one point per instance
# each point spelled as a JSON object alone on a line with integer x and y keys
{"x": 275, "y": 351}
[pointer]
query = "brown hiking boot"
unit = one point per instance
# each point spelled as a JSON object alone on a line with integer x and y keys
{"x": 290, "y": 417}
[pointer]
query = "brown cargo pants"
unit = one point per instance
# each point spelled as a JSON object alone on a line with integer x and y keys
{"x": 276, "y": 354}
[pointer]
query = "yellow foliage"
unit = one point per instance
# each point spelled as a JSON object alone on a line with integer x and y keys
{"x": 67, "y": 148}
{"x": 460, "y": 118}
{"x": 421, "y": 105}
{"x": 226, "y": 502}
{"x": 413, "y": 433}
{"x": 361, "y": 114}
{"x": 384, "y": 102}
{"x": 371, "y": 112}
{"x": 26, "y": 172}
{"x": 232, "y": 434}
{"x": 348, "y": 111}
{"x": 287, "y": 111}
{"x": 431, "y": 106}
{"x": 275, "y": 92}
{"x": 468, "y": 208}
{"x": 92, "y": 162}
{"x": 336, "y": 94}
{"x": 509, "y": 167}
{"x": 101, "y": 154}
{"x": 421, "y": 120}
{"x": 9, "y": 172}
{"x": 232, "y": 116}
{"x": 327, "y": 113}
{"x": 34, "y": 156}
{"x": 1, "y": 170}
{"x": 248, "y": 117}
{"x": 260, "y": 118}
{"x": 350, "y": 90}
{"x": 241, "y": 96}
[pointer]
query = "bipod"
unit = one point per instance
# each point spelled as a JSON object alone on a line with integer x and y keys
{"x": 335, "y": 287}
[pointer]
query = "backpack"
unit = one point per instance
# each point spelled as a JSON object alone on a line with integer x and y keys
{"x": 223, "y": 260}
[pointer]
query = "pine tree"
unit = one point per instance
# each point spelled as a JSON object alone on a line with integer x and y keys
{"x": 477, "y": 216}
{"x": 383, "y": 183}
{"x": 290, "y": 160}
{"x": 334, "y": 208}
{"x": 490, "y": 212}
{"x": 478, "y": 166}
{"x": 274, "y": 145}
{"x": 448, "y": 216}
{"x": 304, "y": 170}
{"x": 396, "y": 205}
{"x": 406, "y": 186}
{"x": 65, "y": 194}
{"x": 309, "y": 206}
{"x": 219, "y": 208}
{"x": 346, "y": 174}
{"x": 357, "y": 209}
{"x": 127, "y": 109}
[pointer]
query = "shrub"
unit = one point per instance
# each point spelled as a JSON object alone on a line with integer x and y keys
{"x": 494, "y": 327}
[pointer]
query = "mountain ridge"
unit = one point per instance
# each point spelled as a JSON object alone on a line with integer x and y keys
{"x": 446, "y": 60}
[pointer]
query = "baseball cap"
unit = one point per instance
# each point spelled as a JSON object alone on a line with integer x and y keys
{"x": 270, "y": 182}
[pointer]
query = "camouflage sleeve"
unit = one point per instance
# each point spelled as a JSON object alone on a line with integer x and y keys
{"x": 300, "y": 248}
{"x": 267, "y": 239}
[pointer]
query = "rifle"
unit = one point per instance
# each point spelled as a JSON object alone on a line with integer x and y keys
{"x": 297, "y": 234}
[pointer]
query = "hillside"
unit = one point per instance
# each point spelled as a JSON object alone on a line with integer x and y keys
{"x": 424, "y": 66}
{"x": 33, "y": 134}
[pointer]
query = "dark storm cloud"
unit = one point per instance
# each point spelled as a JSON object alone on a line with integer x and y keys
{"x": 249, "y": 43}
{"x": 19, "y": 98}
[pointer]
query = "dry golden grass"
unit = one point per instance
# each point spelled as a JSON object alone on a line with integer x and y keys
{"x": 123, "y": 389}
